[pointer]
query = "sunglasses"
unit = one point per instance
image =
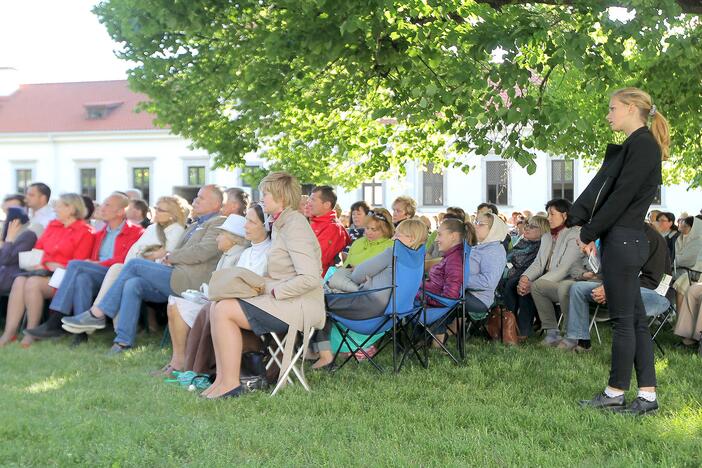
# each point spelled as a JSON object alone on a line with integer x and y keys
{"x": 531, "y": 226}
{"x": 377, "y": 216}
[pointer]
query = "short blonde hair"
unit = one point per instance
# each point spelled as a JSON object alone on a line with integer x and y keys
{"x": 175, "y": 208}
{"x": 408, "y": 203}
{"x": 283, "y": 187}
{"x": 415, "y": 229}
{"x": 542, "y": 222}
{"x": 76, "y": 202}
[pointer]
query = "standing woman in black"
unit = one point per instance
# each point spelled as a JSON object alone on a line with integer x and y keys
{"x": 612, "y": 208}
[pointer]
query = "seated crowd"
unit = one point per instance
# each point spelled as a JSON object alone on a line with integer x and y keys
{"x": 228, "y": 271}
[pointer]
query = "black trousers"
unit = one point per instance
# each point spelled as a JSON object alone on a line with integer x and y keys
{"x": 624, "y": 251}
{"x": 522, "y": 306}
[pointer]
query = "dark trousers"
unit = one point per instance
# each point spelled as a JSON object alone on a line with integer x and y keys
{"x": 522, "y": 306}
{"x": 624, "y": 251}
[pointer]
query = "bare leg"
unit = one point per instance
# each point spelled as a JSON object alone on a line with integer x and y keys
{"x": 179, "y": 335}
{"x": 218, "y": 364}
{"x": 15, "y": 310}
{"x": 326, "y": 357}
{"x": 227, "y": 322}
{"x": 35, "y": 291}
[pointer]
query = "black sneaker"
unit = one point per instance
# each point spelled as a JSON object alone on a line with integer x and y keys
{"x": 602, "y": 401}
{"x": 49, "y": 329}
{"x": 641, "y": 406}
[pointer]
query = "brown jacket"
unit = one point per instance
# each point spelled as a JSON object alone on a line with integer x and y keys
{"x": 294, "y": 273}
{"x": 195, "y": 259}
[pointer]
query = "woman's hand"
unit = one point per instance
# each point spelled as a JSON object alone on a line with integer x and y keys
{"x": 589, "y": 248}
{"x": 13, "y": 230}
{"x": 155, "y": 254}
{"x": 51, "y": 266}
{"x": 524, "y": 286}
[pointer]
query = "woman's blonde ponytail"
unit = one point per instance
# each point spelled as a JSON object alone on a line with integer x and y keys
{"x": 661, "y": 132}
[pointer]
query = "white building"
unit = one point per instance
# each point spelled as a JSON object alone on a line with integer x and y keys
{"x": 86, "y": 138}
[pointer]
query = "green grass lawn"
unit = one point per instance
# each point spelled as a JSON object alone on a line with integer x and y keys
{"x": 64, "y": 406}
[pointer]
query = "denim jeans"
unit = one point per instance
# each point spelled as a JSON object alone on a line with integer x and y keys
{"x": 140, "y": 280}
{"x": 579, "y": 310}
{"x": 79, "y": 286}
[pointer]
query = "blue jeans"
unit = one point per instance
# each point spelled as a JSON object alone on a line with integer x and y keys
{"x": 80, "y": 285}
{"x": 579, "y": 309}
{"x": 140, "y": 280}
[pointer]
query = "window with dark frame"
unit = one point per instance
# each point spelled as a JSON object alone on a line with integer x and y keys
{"x": 562, "y": 179}
{"x": 497, "y": 182}
{"x": 24, "y": 179}
{"x": 372, "y": 192}
{"x": 88, "y": 182}
{"x": 255, "y": 193}
{"x": 196, "y": 175}
{"x": 658, "y": 199}
{"x": 140, "y": 180}
{"x": 432, "y": 187}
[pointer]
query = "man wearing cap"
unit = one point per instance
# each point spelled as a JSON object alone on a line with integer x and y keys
{"x": 188, "y": 266}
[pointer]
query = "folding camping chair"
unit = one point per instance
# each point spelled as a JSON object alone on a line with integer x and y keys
{"x": 407, "y": 273}
{"x": 433, "y": 319}
{"x": 275, "y": 348}
{"x": 659, "y": 321}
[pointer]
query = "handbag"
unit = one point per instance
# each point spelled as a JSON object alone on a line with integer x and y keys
{"x": 235, "y": 282}
{"x": 253, "y": 370}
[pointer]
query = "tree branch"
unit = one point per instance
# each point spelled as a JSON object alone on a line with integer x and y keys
{"x": 687, "y": 6}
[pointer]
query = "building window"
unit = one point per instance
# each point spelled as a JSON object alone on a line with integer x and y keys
{"x": 23, "y": 177}
{"x": 196, "y": 175}
{"x": 372, "y": 192}
{"x": 658, "y": 199}
{"x": 562, "y": 179}
{"x": 140, "y": 180}
{"x": 432, "y": 187}
{"x": 250, "y": 171}
{"x": 497, "y": 182}
{"x": 88, "y": 182}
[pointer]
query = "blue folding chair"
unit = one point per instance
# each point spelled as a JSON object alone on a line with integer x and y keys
{"x": 433, "y": 319}
{"x": 407, "y": 273}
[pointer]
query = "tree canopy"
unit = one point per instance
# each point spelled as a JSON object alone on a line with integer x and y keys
{"x": 337, "y": 91}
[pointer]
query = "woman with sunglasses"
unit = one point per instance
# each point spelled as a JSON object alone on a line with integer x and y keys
{"x": 519, "y": 259}
{"x": 377, "y": 238}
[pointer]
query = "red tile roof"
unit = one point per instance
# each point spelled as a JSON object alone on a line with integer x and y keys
{"x": 63, "y": 107}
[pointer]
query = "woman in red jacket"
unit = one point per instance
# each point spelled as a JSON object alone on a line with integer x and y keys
{"x": 66, "y": 238}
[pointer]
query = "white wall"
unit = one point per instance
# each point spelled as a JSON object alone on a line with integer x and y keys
{"x": 56, "y": 158}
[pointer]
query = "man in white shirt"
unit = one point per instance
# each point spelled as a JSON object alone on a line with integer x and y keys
{"x": 37, "y": 199}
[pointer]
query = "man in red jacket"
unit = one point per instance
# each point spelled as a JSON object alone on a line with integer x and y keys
{"x": 82, "y": 278}
{"x": 332, "y": 236}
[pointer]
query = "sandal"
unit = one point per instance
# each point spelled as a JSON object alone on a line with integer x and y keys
{"x": 166, "y": 371}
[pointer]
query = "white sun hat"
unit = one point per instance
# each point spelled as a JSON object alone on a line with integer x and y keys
{"x": 234, "y": 224}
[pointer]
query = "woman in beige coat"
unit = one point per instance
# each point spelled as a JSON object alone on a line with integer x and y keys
{"x": 293, "y": 300}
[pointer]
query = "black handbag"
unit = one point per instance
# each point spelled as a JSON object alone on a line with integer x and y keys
{"x": 253, "y": 371}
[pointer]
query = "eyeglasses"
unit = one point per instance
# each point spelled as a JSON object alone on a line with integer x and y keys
{"x": 531, "y": 226}
{"x": 480, "y": 223}
{"x": 160, "y": 210}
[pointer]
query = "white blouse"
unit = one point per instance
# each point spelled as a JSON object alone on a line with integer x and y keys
{"x": 173, "y": 234}
{"x": 255, "y": 258}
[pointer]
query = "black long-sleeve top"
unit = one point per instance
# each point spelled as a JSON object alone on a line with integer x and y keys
{"x": 622, "y": 190}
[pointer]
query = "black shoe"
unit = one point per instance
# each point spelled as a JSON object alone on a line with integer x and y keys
{"x": 602, "y": 401}
{"x": 49, "y": 329}
{"x": 641, "y": 406}
{"x": 79, "y": 339}
{"x": 331, "y": 367}
{"x": 235, "y": 393}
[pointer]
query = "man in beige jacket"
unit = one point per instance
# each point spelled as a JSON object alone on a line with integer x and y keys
{"x": 188, "y": 266}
